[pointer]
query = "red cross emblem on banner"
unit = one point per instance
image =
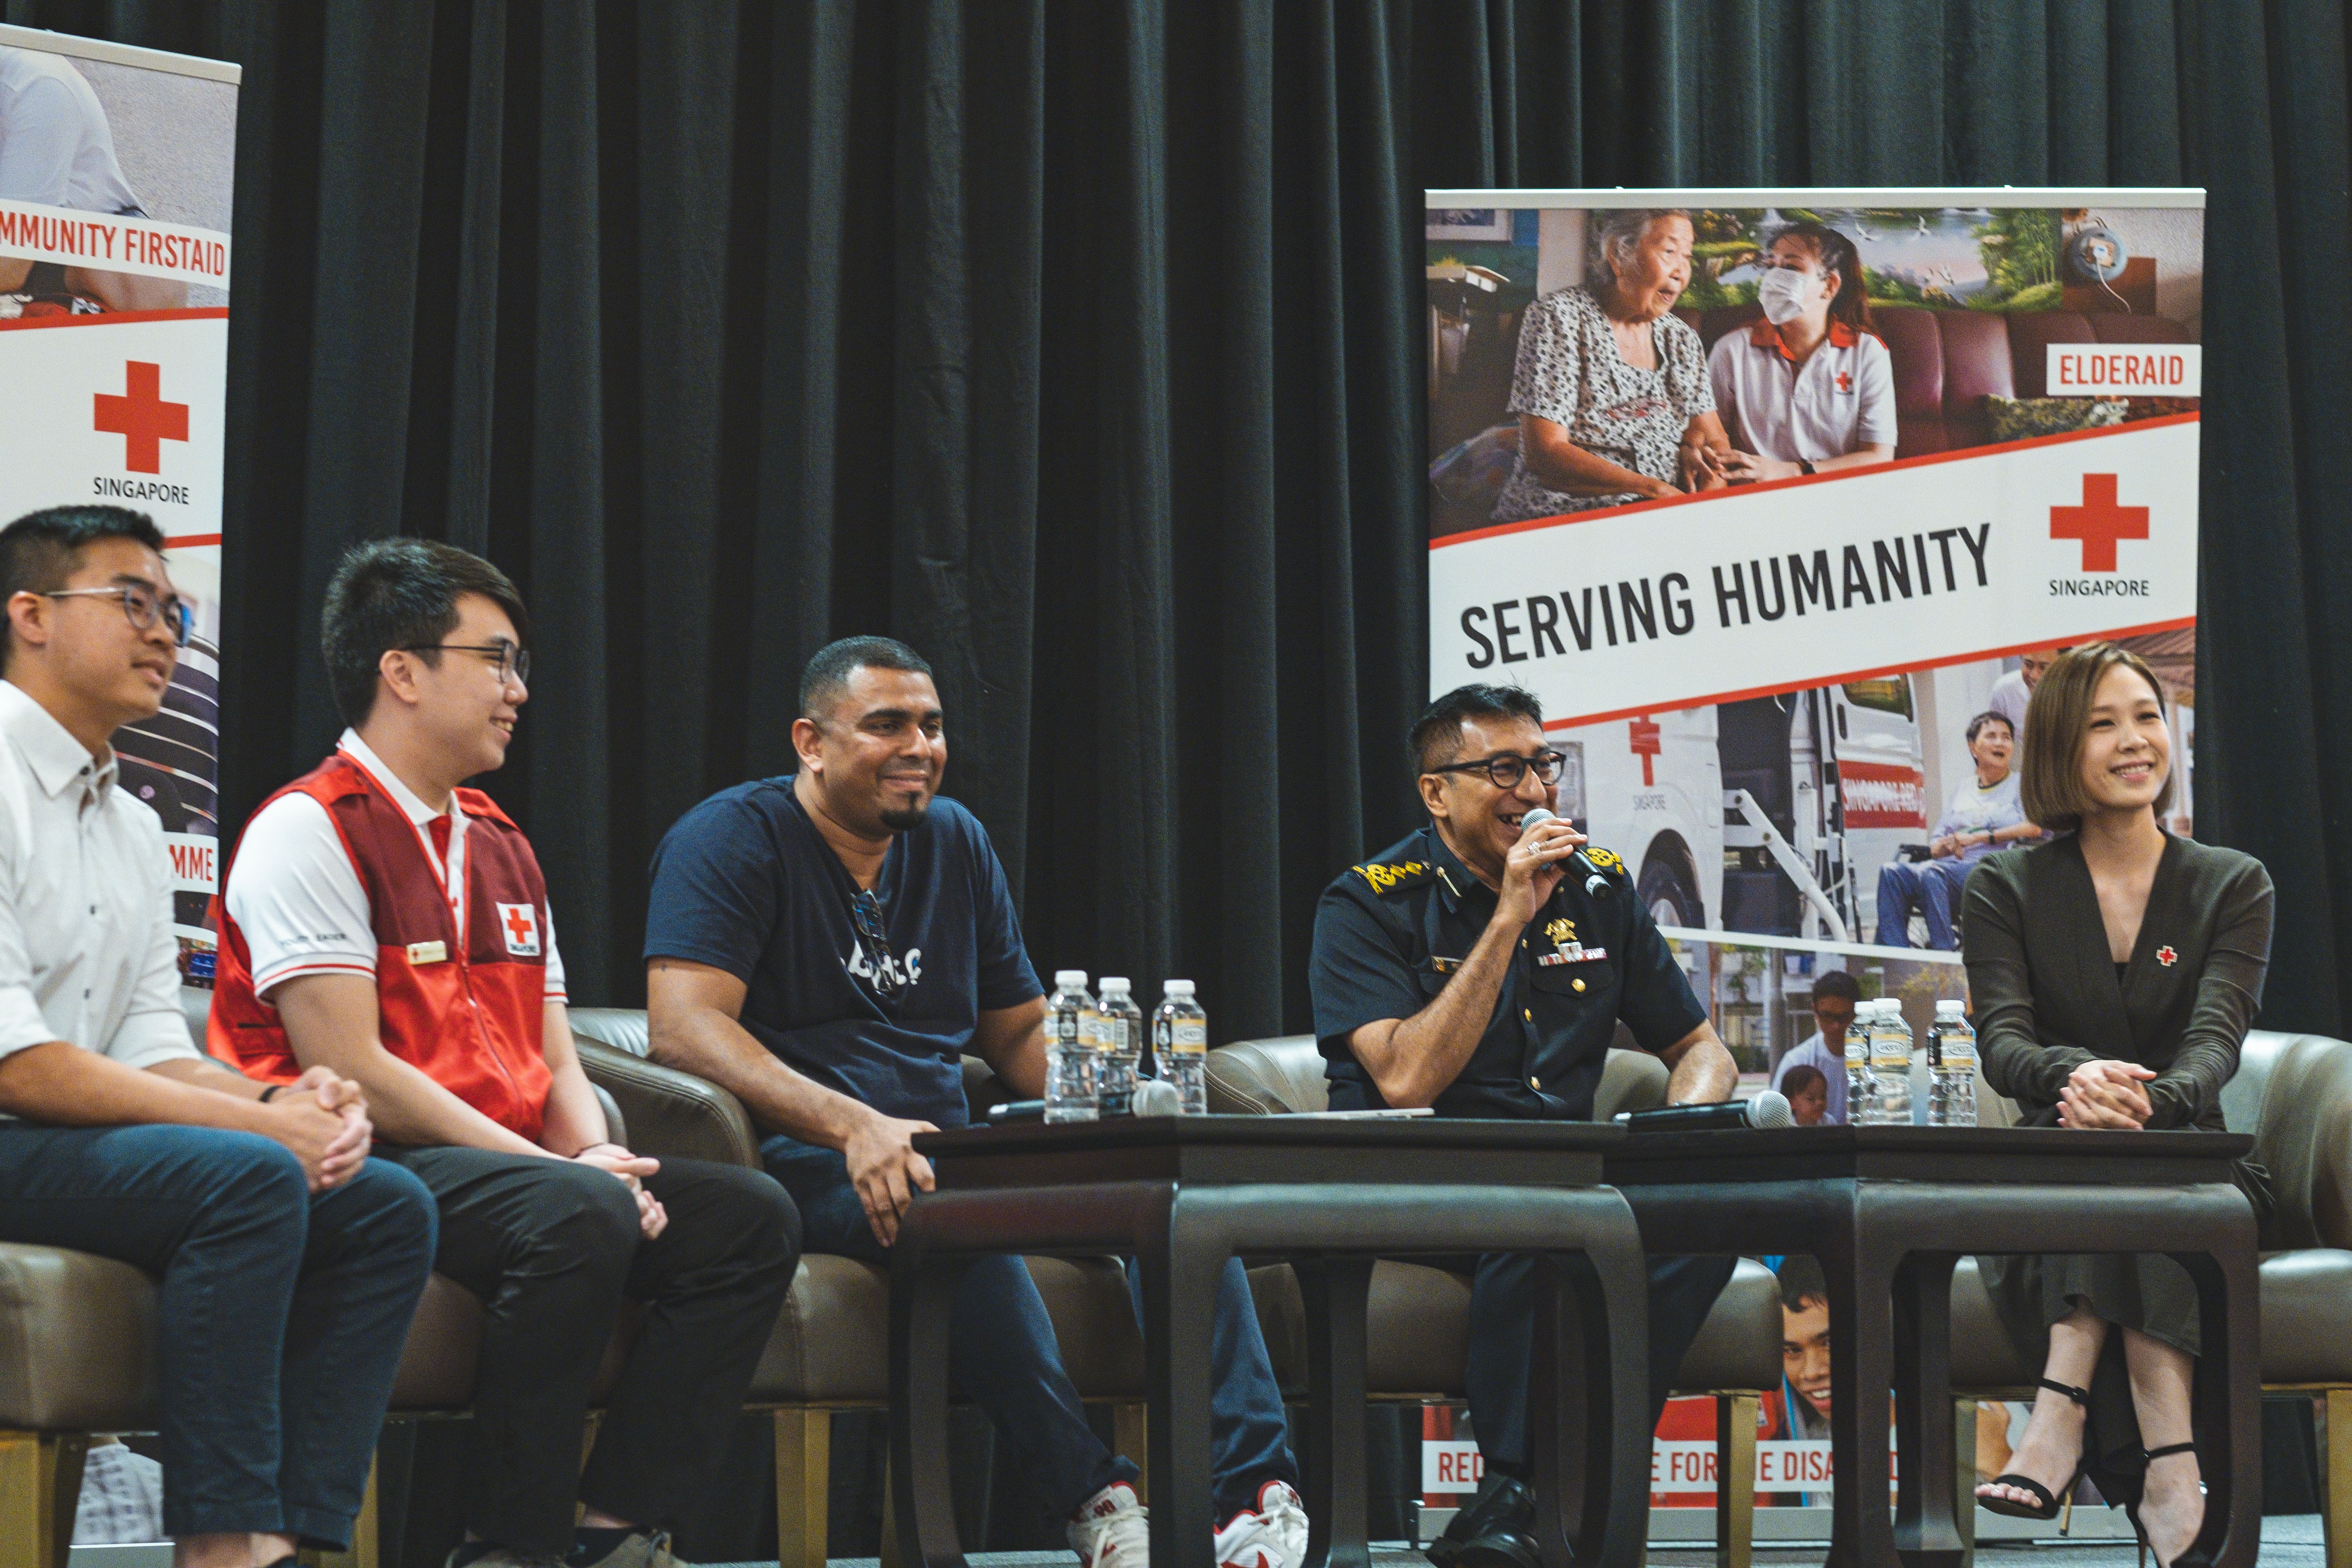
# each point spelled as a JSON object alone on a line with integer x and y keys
{"x": 2166, "y": 956}
{"x": 1846, "y": 380}
{"x": 142, "y": 418}
{"x": 2098, "y": 522}
{"x": 1641, "y": 735}
{"x": 519, "y": 923}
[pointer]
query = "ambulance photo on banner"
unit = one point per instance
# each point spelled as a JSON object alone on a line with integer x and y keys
{"x": 116, "y": 168}
{"x": 1780, "y": 502}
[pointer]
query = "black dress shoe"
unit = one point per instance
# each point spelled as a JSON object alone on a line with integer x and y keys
{"x": 1496, "y": 1531}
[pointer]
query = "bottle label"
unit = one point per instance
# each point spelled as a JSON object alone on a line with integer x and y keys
{"x": 1959, "y": 1050}
{"x": 1894, "y": 1051}
{"x": 1065, "y": 1026}
{"x": 1090, "y": 1029}
{"x": 1189, "y": 1034}
{"x": 1857, "y": 1049}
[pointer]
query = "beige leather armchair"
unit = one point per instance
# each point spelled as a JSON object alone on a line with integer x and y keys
{"x": 829, "y": 1350}
{"x": 2293, "y": 1094}
{"x": 1418, "y": 1317}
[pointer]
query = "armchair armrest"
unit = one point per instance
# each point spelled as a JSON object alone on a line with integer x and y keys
{"x": 671, "y": 1112}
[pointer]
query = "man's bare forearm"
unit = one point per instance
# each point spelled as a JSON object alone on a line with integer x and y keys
{"x": 708, "y": 1043}
{"x": 1701, "y": 1071}
{"x": 204, "y": 1072}
{"x": 64, "y": 1085}
{"x": 1425, "y": 1053}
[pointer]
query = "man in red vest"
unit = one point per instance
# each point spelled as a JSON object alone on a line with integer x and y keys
{"x": 381, "y": 921}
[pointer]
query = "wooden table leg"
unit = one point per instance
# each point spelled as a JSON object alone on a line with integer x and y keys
{"x": 922, "y": 1289}
{"x": 1926, "y": 1535}
{"x": 1183, "y": 1264}
{"x": 2228, "y": 1397}
{"x": 1335, "y": 1290}
{"x": 1861, "y": 1278}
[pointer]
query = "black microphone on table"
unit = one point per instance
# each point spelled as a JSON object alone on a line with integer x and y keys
{"x": 1153, "y": 1097}
{"x": 1595, "y": 885}
{"x": 1769, "y": 1109}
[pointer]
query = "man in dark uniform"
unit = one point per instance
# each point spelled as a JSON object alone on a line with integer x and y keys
{"x": 1464, "y": 970}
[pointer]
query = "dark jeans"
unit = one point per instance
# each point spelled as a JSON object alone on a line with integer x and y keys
{"x": 552, "y": 1246}
{"x": 1502, "y": 1339}
{"x": 1931, "y": 887}
{"x": 281, "y": 1313}
{"x": 1002, "y": 1354}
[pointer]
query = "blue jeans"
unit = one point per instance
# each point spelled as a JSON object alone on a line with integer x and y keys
{"x": 282, "y": 1313}
{"x": 1931, "y": 887}
{"x": 1502, "y": 1340}
{"x": 1003, "y": 1356}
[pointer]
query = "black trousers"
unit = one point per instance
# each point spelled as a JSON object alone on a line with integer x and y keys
{"x": 1502, "y": 1339}
{"x": 553, "y": 1247}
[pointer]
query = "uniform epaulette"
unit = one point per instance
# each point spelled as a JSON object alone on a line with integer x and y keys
{"x": 1395, "y": 877}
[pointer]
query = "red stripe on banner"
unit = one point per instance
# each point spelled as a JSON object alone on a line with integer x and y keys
{"x": 1498, "y": 530}
{"x": 1708, "y": 701}
{"x": 190, "y": 540}
{"x": 115, "y": 318}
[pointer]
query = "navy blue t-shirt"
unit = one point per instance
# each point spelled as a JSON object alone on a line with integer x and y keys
{"x": 744, "y": 883}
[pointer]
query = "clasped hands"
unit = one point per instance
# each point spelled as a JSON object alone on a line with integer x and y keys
{"x": 322, "y": 1116}
{"x": 2106, "y": 1095}
{"x": 652, "y": 1219}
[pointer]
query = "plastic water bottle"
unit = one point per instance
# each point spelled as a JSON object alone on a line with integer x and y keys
{"x": 1180, "y": 1039}
{"x": 1861, "y": 1088}
{"x": 1890, "y": 1063}
{"x": 1070, "y": 1051}
{"x": 1120, "y": 1040}
{"x": 1952, "y": 1068}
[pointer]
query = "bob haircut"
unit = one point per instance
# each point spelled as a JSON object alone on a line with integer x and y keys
{"x": 2058, "y": 723}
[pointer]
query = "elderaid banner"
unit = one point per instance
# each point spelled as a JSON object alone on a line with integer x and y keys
{"x": 1780, "y": 502}
{"x": 116, "y": 169}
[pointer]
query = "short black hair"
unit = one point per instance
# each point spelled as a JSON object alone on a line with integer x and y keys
{"x": 1436, "y": 736}
{"x": 1836, "y": 983}
{"x": 41, "y": 550}
{"x": 1801, "y": 1281}
{"x": 1802, "y": 1076}
{"x": 1976, "y": 724}
{"x": 827, "y": 674}
{"x": 400, "y": 594}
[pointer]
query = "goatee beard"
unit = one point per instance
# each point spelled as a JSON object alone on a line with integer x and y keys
{"x": 901, "y": 821}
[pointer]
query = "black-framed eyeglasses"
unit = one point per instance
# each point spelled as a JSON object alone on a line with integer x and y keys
{"x": 140, "y": 607}
{"x": 514, "y": 663}
{"x": 866, "y": 914}
{"x": 1506, "y": 770}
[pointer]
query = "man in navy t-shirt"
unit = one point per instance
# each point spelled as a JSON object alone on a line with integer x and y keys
{"x": 828, "y": 946}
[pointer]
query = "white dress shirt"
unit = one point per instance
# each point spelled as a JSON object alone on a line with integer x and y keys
{"x": 87, "y": 951}
{"x": 297, "y": 897}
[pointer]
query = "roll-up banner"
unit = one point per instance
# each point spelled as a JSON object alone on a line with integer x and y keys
{"x": 1780, "y": 502}
{"x": 116, "y": 167}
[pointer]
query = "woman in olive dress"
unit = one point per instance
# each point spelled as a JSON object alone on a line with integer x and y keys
{"x": 2114, "y": 972}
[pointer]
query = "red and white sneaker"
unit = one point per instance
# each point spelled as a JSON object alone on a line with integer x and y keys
{"x": 1272, "y": 1535}
{"x": 1113, "y": 1529}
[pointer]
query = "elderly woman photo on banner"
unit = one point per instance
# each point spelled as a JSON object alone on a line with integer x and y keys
{"x": 1611, "y": 388}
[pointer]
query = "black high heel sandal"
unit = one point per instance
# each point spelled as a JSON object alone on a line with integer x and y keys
{"x": 2048, "y": 1507}
{"x": 2191, "y": 1557}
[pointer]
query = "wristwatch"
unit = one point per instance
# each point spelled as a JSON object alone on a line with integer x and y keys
{"x": 1805, "y": 466}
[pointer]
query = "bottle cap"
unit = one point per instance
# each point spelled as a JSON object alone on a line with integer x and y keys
{"x": 1077, "y": 977}
{"x": 1114, "y": 982}
{"x": 1949, "y": 1008}
{"x": 1177, "y": 988}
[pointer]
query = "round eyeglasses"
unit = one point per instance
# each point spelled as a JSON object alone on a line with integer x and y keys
{"x": 1506, "y": 770}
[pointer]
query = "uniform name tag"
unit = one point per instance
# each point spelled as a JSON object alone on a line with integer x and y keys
{"x": 1574, "y": 953}
{"x": 428, "y": 952}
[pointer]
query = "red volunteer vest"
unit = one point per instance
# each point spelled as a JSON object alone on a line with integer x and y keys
{"x": 468, "y": 1017}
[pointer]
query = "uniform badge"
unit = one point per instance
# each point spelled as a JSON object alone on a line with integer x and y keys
{"x": 428, "y": 952}
{"x": 2167, "y": 957}
{"x": 519, "y": 923}
{"x": 1559, "y": 932}
{"x": 1389, "y": 879}
{"x": 1605, "y": 859}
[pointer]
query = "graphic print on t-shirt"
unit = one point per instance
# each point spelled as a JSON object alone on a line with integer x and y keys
{"x": 890, "y": 970}
{"x": 519, "y": 923}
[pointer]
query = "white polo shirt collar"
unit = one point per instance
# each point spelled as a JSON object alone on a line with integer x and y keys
{"x": 57, "y": 761}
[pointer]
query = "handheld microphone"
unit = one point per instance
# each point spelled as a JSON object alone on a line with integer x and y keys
{"x": 1153, "y": 1097}
{"x": 1596, "y": 885}
{"x": 1769, "y": 1109}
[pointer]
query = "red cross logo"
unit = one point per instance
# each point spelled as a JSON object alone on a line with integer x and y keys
{"x": 1844, "y": 381}
{"x": 520, "y": 923}
{"x": 1642, "y": 734}
{"x": 2166, "y": 956}
{"x": 142, "y": 419}
{"x": 2098, "y": 522}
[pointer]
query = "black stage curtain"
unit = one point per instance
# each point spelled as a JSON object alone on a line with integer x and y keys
{"x": 1076, "y": 343}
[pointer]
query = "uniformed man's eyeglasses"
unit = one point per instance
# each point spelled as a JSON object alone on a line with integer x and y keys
{"x": 1507, "y": 771}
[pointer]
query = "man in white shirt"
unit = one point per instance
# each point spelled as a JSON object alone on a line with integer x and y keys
{"x": 289, "y": 1262}
{"x": 2013, "y": 692}
{"x": 1835, "y": 996}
